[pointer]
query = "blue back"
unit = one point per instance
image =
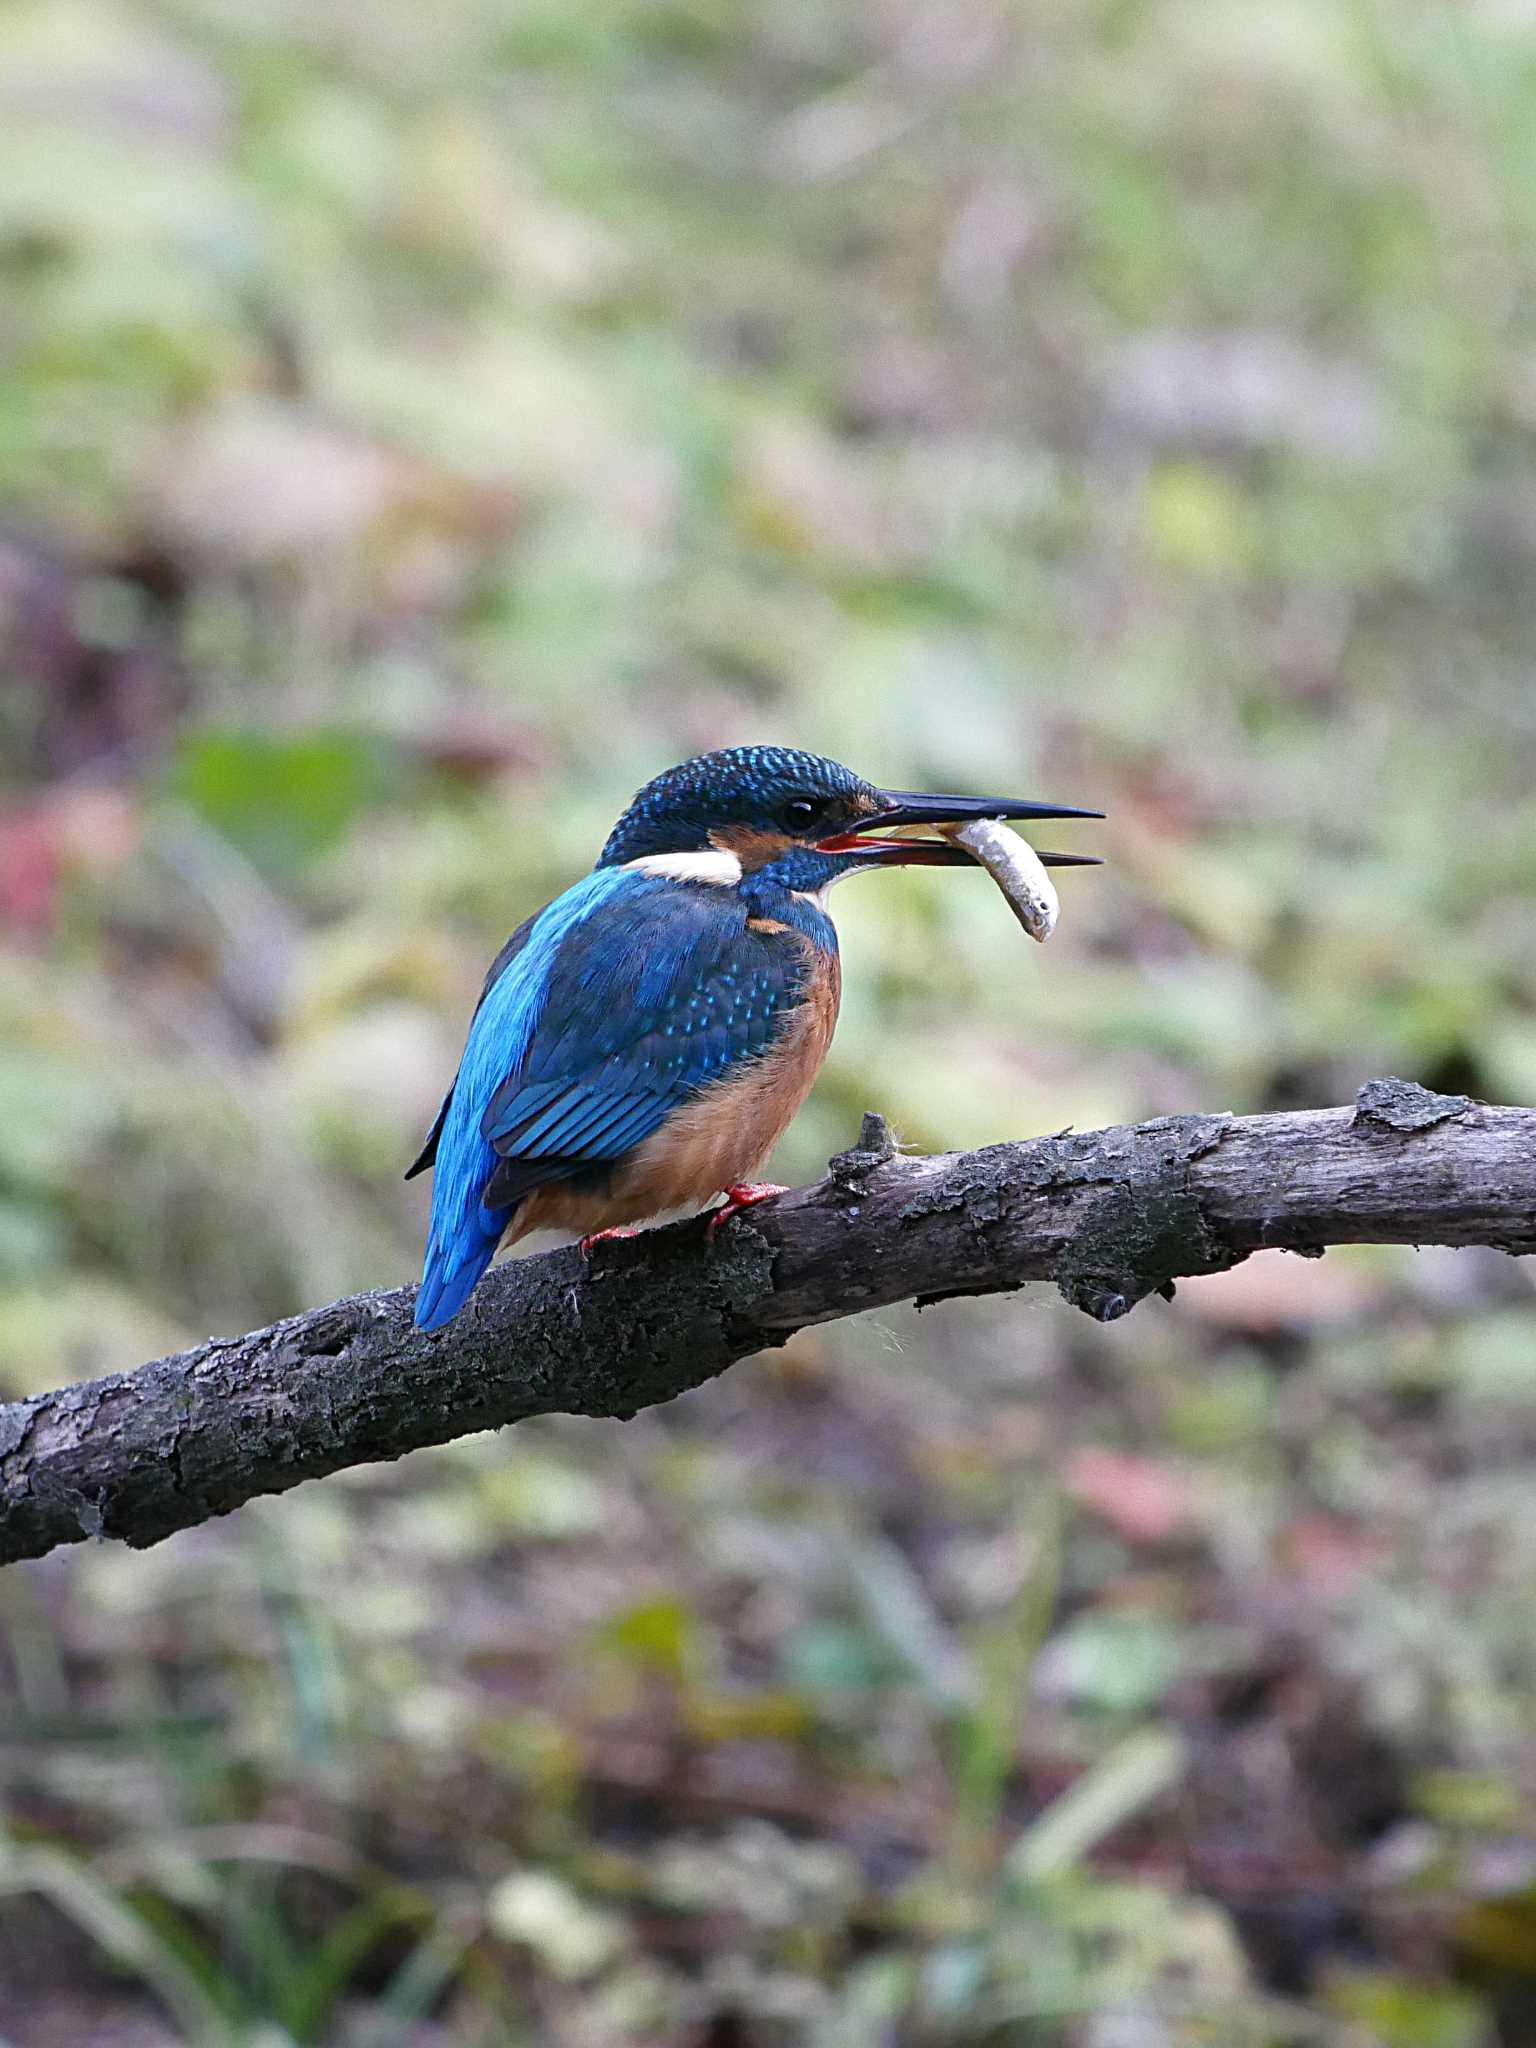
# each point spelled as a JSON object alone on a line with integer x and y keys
{"x": 626, "y": 996}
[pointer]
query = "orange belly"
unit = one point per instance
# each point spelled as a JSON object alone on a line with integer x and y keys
{"x": 722, "y": 1137}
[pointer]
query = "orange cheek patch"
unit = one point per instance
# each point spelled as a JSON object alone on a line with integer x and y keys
{"x": 753, "y": 847}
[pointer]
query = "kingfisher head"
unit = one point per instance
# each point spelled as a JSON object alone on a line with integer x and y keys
{"x": 776, "y": 815}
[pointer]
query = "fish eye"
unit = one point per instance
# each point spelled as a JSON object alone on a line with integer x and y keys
{"x": 801, "y": 813}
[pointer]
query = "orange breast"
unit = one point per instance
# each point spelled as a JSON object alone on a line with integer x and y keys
{"x": 720, "y": 1138}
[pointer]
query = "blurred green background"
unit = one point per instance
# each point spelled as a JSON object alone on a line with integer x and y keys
{"x": 417, "y": 427}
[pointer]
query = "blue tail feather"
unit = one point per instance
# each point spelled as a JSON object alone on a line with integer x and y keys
{"x": 451, "y": 1270}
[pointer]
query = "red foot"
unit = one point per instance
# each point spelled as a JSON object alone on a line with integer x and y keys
{"x": 746, "y": 1194}
{"x": 585, "y": 1244}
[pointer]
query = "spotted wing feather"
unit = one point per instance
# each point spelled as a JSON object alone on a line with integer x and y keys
{"x": 619, "y": 1003}
{"x": 633, "y": 1030}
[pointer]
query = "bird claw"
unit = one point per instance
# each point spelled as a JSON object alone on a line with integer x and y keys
{"x": 746, "y": 1194}
{"x": 585, "y": 1244}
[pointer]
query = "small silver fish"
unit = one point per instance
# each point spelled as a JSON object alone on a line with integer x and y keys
{"x": 1016, "y": 868}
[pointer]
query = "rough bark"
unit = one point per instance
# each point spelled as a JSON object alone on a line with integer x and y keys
{"x": 1111, "y": 1216}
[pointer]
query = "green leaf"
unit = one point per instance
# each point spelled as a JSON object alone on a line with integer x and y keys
{"x": 169, "y": 1967}
{"x": 1404, "y": 2013}
{"x": 656, "y": 1634}
{"x": 830, "y": 1657}
{"x": 1118, "y": 1663}
{"x": 1133, "y": 1774}
{"x": 280, "y": 798}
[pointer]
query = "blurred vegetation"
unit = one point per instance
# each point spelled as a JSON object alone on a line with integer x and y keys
{"x": 417, "y": 426}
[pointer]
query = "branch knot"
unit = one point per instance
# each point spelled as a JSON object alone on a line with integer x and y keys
{"x": 850, "y": 1171}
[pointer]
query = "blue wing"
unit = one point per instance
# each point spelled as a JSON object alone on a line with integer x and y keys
{"x": 628, "y": 995}
{"x": 427, "y": 1156}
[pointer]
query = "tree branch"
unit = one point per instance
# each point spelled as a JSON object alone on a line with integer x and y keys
{"x": 1110, "y": 1216}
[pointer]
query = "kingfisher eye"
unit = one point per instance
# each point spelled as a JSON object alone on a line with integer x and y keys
{"x": 802, "y": 813}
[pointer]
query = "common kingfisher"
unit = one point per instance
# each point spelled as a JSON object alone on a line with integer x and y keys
{"x": 641, "y": 1044}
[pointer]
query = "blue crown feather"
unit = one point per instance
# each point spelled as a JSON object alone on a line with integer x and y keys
{"x": 675, "y": 812}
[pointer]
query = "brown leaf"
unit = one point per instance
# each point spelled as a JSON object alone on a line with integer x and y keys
{"x": 1143, "y": 1501}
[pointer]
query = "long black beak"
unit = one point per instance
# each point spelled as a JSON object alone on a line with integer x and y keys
{"x": 903, "y": 807}
{"x": 909, "y": 807}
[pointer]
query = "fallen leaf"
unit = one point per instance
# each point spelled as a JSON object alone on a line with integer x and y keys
{"x": 1143, "y": 1501}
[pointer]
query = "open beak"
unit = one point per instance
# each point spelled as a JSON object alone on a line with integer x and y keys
{"x": 902, "y": 808}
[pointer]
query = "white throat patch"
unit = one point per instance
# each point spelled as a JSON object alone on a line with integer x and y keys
{"x": 712, "y": 865}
